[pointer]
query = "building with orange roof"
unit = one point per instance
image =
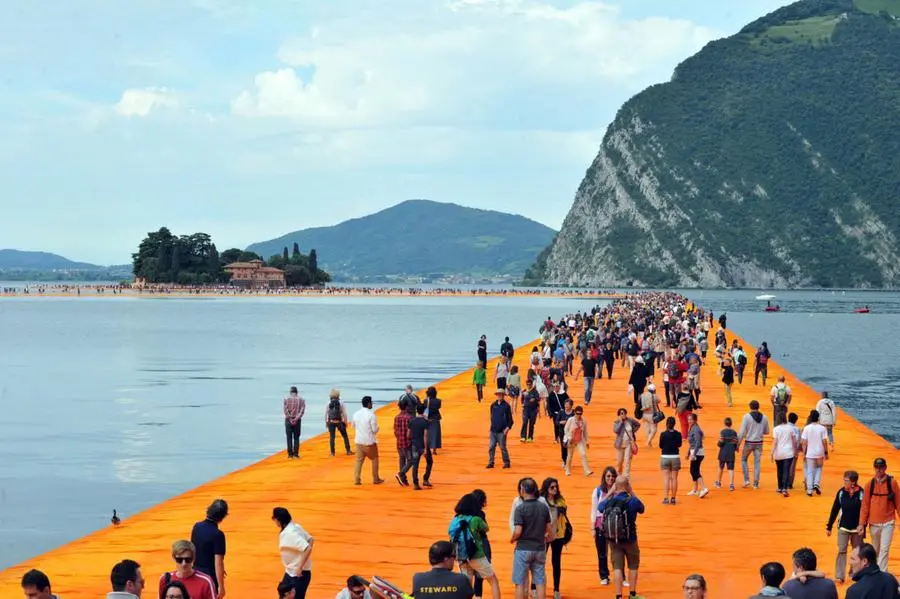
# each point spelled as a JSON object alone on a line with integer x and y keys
{"x": 255, "y": 274}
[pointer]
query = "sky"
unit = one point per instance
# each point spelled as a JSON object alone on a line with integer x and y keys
{"x": 248, "y": 120}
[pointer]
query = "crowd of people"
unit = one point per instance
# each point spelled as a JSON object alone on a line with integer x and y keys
{"x": 653, "y": 335}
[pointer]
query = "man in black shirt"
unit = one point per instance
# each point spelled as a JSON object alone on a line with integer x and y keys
{"x": 210, "y": 544}
{"x": 418, "y": 428}
{"x": 441, "y": 582}
{"x": 589, "y": 369}
{"x": 501, "y": 422}
{"x": 506, "y": 349}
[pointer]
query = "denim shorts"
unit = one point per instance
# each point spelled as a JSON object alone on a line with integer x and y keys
{"x": 529, "y": 561}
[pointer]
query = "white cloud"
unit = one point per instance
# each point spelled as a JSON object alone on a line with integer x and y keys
{"x": 141, "y": 102}
{"x": 453, "y": 65}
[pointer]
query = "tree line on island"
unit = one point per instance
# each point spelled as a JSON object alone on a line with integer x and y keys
{"x": 194, "y": 260}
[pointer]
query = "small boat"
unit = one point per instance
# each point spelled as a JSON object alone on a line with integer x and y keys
{"x": 773, "y": 308}
{"x": 765, "y": 297}
{"x": 864, "y": 310}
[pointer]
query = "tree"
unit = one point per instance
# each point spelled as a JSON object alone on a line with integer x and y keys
{"x": 296, "y": 253}
{"x": 284, "y": 255}
{"x": 296, "y": 275}
{"x": 213, "y": 267}
{"x": 313, "y": 261}
{"x": 176, "y": 260}
{"x": 230, "y": 255}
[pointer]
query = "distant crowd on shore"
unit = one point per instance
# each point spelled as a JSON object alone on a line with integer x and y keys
{"x": 653, "y": 335}
{"x": 39, "y": 289}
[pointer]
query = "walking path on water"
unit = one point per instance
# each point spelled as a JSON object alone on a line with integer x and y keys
{"x": 386, "y": 530}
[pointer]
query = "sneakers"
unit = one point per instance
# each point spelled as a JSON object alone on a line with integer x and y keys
{"x": 731, "y": 487}
{"x": 506, "y": 466}
{"x": 604, "y": 582}
{"x": 817, "y": 489}
{"x": 717, "y": 485}
{"x": 746, "y": 484}
{"x": 402, "y": 480}
{"x": 489, "y": 466}
{"x": 703, "y": 493}
{"x": 672, "y": 501}
{"x": 692, "y": 492}
{"x": 665, "y": 501}
{"x": 756, "y": 485}
{"x": 556, "y": 595}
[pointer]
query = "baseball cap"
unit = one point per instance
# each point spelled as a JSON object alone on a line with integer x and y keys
{"x": 880, "y": 463}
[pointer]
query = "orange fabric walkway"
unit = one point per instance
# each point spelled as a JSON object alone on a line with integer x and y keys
{"x": 386, "y": 530}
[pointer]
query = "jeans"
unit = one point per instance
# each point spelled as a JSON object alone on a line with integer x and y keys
{"x": 756, "y": 450}
{"x": 779, "y": 413}
{"x": 342, "y": 428}
{"x": 813, "y": 471}
{"x": 602, "y": 561}
{"x": 405, "y": 457}
{"x": 882, "y": 535}
{"x": 417, "y": 453}
{"x": 588, "y": 389}
{"x": 783, "y": 470}
{"x": 301, "y": 583}
{"x": 843, "y": 539}
{"x": 556, "y": 549}
{"x": 760, "y": 369}
{"x": 529, "y": 418}
{"x": 292, "y": 432}
{"x": 830, "y": 429}
{"x": 534, "y": 562}
{"x": 495, "y": 440}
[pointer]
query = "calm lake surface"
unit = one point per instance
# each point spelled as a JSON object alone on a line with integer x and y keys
{"x": 123, "y": 402}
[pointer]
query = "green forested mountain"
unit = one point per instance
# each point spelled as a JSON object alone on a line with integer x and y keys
{"x": 420, "y": 238}
{"x": 771, "y": 158}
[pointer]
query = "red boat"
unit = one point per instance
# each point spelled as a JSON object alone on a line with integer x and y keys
{"x": 773, "y": 309}
{"x": 862, "y": 310}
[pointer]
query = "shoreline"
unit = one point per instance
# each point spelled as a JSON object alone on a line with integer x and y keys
{"x": 754, "y": 525}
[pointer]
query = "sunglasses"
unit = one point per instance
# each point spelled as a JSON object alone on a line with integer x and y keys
{"x": 184, "y": 560}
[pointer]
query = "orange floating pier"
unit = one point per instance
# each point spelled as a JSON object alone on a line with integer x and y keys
{"x": 386, "y": 530}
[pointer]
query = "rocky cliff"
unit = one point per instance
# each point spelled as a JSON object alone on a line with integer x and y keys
{"x": 771, "y": 159}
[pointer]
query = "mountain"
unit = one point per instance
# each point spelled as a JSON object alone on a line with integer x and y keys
{"x": 421, "y": 238}
{"x": 17, "y": 259}
{"x": 770, "y": 159}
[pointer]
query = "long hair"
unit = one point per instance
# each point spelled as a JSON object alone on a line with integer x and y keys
{"x": 545, "y": 488}
{"x": 468, "y": 505}
{"x": 604, "y": 486}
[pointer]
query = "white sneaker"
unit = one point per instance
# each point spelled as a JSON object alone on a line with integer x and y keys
{"x": 704, "y": 493}
{"x": 604, "y": 582}
{"x": 692, "y": 492}
{"x": 625, "y": 583}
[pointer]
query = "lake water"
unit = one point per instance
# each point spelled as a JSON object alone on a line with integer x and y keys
{"x": 123, "y": 402}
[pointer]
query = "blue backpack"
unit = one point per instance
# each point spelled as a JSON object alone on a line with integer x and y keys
{"x": 462, "y": 538}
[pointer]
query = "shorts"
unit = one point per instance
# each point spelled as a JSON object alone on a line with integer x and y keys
{"x": 670, "y": 464}
{"x": 480, "y": 566}
{"x": 501, "y": 382}
{"x": 619, "y": 553}
{"x": 723, "y": 464}
{"x": 529, "y": 561}
{"x": 513, "y": 391}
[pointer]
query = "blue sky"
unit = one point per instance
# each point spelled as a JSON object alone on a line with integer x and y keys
{"x": 247, "y": 120}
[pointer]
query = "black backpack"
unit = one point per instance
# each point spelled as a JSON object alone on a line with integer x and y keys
{"x": 616, "y": 523}
{"x": 567, "y": 535}
{"x": 334, "y": 411}
{"x": 890, "y": 485}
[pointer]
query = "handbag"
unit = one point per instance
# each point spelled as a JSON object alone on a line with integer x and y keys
{"x": 658, "y": 416}
{"x": 634, "y": 449}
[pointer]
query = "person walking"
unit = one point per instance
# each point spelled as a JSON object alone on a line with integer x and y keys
{"x": 814, "y": 443}
{"x": 727, "y": 372}
{"x": 869, "y": 580}
{"x": 696, "y": 453}
{"x": 294, "y": 408}
{"x": 433, "y": 415}
{"x": 603, "y": 490}
{"x": 366, "y": 426}
{"x": 827, "y": 416}
{"x": 847, "y": 502}
{"x": 754, "y": 427}
{"x": 625, "y": 429}
{"x": 879, "y": 511}
{"x": 295, "y": 546}
{"x": 402, "y": 433}
{"x": 781, "y": 401}
{"x": 620, "y": 512}
{"x": 575, "y": 436}
{"x": 784, "y": 448}
{"x": 468, "y": 521}
{"x": 670, "y": 442}
{"x": 589, "y": 370}
{"x": 531, "y": 402}
{"x": 479, "y": 379}
{"x": 418, "y": 433}
{"x": 761, "y": 363}
{"x": 559, "y": 520}
{"x": 501, "y": 423}
{"x": 482, "y": 349}
{"x": 210, "y": 544}
{"x": 562, "y": 418}
{"x": 650, "y": 412}
{"x": 531, "y": 531}
{"x": 336, "y": 420}
{"x": 501, "y": 373}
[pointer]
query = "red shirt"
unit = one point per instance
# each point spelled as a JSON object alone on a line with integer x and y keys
{"x": 401, "y": 431}
{"x": 198, "y": 585}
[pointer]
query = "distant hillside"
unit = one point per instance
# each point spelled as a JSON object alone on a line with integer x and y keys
{"x": 421, "y": 238}
{"x": 17, "y": 259}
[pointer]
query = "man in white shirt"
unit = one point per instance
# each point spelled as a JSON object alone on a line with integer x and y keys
{"x": 814, "y": 441}
{"x": 295, "y": 546}
{"x": 356, "y": 589}
{"x": 366, "y": 425}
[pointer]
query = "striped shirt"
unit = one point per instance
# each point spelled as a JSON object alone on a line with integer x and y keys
{"x": 294, "y": 407}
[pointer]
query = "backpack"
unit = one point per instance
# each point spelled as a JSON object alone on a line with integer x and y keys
{"x": 567, "y": 535}
{"x": 462, "y": 539}
{"x": 672, "y": 370}
{"x": 334, "y": 410}
{"x": 890, "y": 485}
{"x": 616, "y": 526}
{"x": 781, "y": 395}
{"x": 742, "y": 359}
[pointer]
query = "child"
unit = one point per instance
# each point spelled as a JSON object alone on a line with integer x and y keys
{"x": 479, "y": 379}
{"x": 728, "y": 440}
